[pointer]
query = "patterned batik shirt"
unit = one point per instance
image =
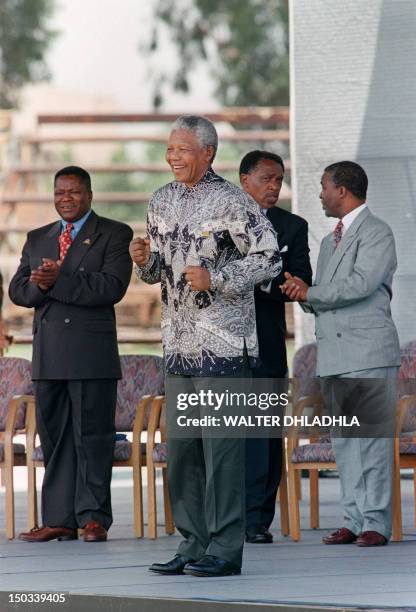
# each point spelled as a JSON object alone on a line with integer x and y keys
{"x": 215, "y": 225}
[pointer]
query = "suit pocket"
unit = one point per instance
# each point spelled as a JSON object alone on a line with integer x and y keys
{"x": 366, "y": 322}
{"x": 100, "y": 326}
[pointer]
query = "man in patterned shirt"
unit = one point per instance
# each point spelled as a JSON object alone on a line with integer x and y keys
{"x": 209, "y": 245}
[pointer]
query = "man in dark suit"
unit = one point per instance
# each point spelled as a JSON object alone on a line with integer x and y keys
{"x": 261, "y": 176}
{"x": 72, "y": 272}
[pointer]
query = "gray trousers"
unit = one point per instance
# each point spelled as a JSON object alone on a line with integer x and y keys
{"x": 365, "y": 465}
{"x": 206, "y": 484}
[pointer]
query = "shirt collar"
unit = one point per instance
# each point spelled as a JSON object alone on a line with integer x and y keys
{"x": 76, "y": 225}
{"x": 208, "y": 176}
{"x": 348, "y": 220}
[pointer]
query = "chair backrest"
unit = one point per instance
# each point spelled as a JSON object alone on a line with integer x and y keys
{"x": 15, "y": 379}
{"x": 408, "y": 361}
{"x": 407, "y": 383}
{"x": 304, "y": 370}
{"x": 141, "y": 375}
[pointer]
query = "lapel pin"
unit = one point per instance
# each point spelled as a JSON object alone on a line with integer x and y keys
{"x": 87, "y": 241}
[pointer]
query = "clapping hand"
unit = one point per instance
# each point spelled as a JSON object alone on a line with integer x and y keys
{"x": 46, "y": 274}
{"x": 295, "y": 288}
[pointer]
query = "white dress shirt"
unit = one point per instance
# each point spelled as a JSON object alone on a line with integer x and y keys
{"x": 348, "y": 219}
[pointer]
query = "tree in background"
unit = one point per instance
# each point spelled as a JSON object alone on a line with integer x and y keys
{"x": 245, "y": 43}
{"x": 24, "y": 39}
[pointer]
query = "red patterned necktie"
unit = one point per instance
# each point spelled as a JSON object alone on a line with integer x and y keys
{"x": 338, "y": 232}
{"x": 65, "y": 241}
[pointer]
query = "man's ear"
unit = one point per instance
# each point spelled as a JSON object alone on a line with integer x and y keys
{"x": 210, "y": 153}
{"x": 243, "y": 180}
{"x": 343, "y": 191}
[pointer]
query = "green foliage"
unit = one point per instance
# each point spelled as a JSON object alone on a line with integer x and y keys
{"x": 245, "y": 43}
{"x": 24, "y": 39}
{"x": 117, "y": 181}
{"x": 127, "y": 182}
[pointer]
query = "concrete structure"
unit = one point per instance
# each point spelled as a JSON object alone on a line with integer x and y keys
{"x": 353, "y": 96}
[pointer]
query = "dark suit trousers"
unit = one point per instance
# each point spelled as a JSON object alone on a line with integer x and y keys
{"x": 75, "y": 420}
{"x": 263, "y": 472}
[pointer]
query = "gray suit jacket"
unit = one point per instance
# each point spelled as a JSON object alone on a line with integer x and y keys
{"x": 351, "y": 299}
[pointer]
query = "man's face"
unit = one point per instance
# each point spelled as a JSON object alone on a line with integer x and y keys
{"x": 72, "y": 198}
{"x": 187, "y": 159}
{"x": 264, "y": 182}
{"x": 331, "y": 196}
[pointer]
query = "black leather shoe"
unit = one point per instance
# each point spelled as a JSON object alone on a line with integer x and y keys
{"x": 211, "y": 566}
{"x": 175, "y": 566}
{"x": 260, "y": 536}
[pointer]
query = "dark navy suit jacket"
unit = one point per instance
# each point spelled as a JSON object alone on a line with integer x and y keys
{"x": 292, "y": 235}
{"x": 74, "y": 327}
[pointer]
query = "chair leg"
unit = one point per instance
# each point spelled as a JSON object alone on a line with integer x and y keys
{"x": 414, "y": 497}
{"x": 138, "y": 500}
{"x": 298, "y": 475}
{"x": 8, "y": 481}
{"x": 151, "y": 502}
{"x": 32, "y": 498}
{"x": 169, "y": 524}
{"x": 293, "y": 505}
{"x": 284, "y": 502}
{"x": 397, "y": 526}
{"x": 314, "y": 498}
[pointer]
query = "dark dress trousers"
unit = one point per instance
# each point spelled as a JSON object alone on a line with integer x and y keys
{"x": 264, "y": 456}
{"x": 76, "y": 364}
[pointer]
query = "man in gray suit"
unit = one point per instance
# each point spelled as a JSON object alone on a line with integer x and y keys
{"x": 356, "y": 339}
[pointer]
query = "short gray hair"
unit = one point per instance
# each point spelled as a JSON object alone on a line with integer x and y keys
{"x": 202, "y": 127}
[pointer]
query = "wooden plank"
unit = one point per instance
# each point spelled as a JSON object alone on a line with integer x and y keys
{"x": 5, "y": 121}
{"x": 104, "y": 168}
{"x": 17, "y": 229}
{"x": 237, "y": 115}
{"x": 127, "y": 338}
{"x": 124, "y": 197}
{"x": 122, "y": 168}
{"x": 240, "y": 136}
{"x": 24, "y": 229}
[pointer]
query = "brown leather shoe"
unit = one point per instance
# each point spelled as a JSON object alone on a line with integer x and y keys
{"x": 94, "y": 532}
{"x": 340, "y": 536}
{"x": 371, "y": 538}
{"x": 45, "y": 534}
